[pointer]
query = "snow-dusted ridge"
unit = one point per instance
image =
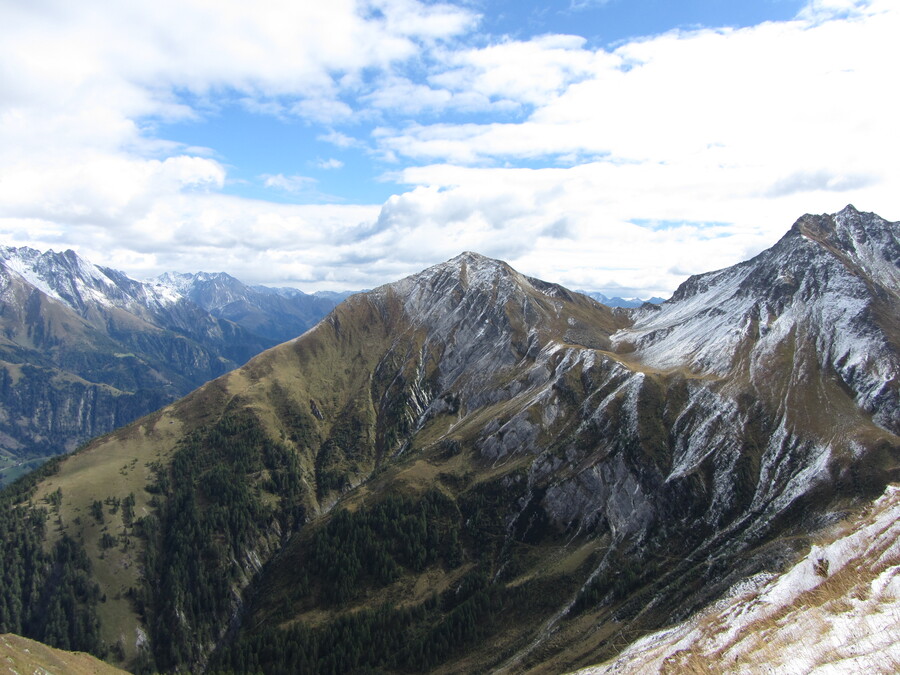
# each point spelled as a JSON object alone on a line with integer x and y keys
{"x": 820, "y": 290}
{"x": 78, "y": 284}
{"x": 754, "y": 391}
{"x": 836, "y": 610}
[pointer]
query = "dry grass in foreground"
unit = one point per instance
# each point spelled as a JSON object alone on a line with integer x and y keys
{"x": 24, "y": 656}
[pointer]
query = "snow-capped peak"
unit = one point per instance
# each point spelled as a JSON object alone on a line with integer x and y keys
{"x": 65, "y": 276}
{"x": 816, "y": 299}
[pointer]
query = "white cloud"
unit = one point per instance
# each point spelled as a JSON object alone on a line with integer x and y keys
{"x": 762, "y": 95}
{"x": 531, "y": 72}
{"x": 724, "y": 136}
{"x": 102, "y": 189}
{"x": 288, "y": 183}
{"x": 340, "y": 140}
{"x": 824, "y": 10}
{"x": 400, "y": 95}
{"x": 585, "y": 4}
{"x": 329, "y": 164}
{"x": 574, "y": 225}
{"x": 257, "y": 241}
{"x": 84, "y": 74}
{"x": 324, "y": 109}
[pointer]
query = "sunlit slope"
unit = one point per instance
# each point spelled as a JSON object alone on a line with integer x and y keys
{"x": 21, "y": 655}
{"x": 343, "y": 400}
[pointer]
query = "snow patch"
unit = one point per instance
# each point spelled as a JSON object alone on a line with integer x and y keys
{"x": 837, "y": 610}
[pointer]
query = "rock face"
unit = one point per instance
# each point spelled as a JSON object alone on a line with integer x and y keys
{"x": 570, "y": 476}
{"x": 85, "y": 349}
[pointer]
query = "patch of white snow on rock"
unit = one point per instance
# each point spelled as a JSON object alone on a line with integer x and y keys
{"x": 836, "y": 611}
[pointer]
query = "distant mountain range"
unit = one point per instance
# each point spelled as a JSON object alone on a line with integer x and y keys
{"x": 85, "y": 349}
{"x": 472, "y": 470}
{"x": 277, "y": 314}
{"x": 616, "y": 301}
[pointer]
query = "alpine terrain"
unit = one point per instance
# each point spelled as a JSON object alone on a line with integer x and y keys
{"x": 85, "y": 349}
{"x": 472, "y": 470}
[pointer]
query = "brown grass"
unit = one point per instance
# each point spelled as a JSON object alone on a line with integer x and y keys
{"x": 21, "y": 655}
{"x": 114, "y": 466}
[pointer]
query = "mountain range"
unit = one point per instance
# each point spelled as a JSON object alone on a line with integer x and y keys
{"x": 474, "y": 470}
{"x": 85, "y": 349}
{"x": 616, "y": 301}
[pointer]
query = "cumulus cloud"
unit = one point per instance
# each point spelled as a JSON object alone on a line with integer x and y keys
{"x": 515, "y": 214}
{"x": 521, "y": 72}
{"x": 812, "y": 181}
{"x": 341, "y": 140}
{"x": 738, "y": 97}
{"x": 257, "y": 241}
{"x": 824, "y": 10}
{"x": 725, "y": 135}
{"x": 401, "y": 95}
{"x": 106, "y": 190}
{"x": 79, "y": 161}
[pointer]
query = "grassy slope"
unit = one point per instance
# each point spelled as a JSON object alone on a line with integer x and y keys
{"x": 318, "y": 369}
{"x": 21, "y": 655}
{"x": 112, "y": 467}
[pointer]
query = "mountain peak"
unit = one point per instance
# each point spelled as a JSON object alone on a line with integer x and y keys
{"x": 464, "y": 273}
{"x": 864, "y": 242}
{"x": 65, "y": 276}
{"x": 845, "y": 229}
{"x": 828, "y": 274}
{"x": 469, "y": 262}
{"x": 488, "y": 315}
{"x": 470, "y": 255}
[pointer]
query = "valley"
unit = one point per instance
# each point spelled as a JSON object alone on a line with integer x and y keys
{"x": 85, "y": 349}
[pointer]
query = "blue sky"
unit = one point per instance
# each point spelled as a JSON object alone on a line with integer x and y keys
{"x": 612, "y": 145}
{"x": 254, "y": 145}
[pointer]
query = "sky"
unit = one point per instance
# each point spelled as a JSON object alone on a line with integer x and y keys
{"x": 609, "y": 145}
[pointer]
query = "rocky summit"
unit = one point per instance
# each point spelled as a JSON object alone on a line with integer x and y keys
{"x": 474, "y": 470}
